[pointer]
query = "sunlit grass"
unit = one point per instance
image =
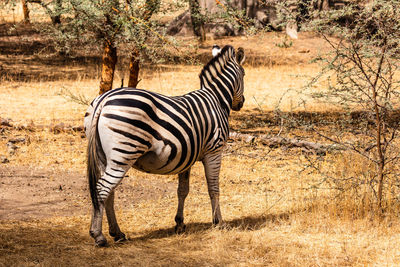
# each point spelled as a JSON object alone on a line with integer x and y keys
{"x": 47, "y": 101}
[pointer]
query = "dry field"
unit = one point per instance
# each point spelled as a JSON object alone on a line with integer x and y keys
{"x": 273, "y": 216}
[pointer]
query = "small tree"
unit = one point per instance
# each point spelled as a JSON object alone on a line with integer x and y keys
{"x": 109, "y": 23}
{"x": 93, "y": 22}
{"x": 362, "y": 74}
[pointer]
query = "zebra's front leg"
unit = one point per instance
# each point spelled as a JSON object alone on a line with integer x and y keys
{"x": 212, "y": 166}
{"x": 114, "y": 229}
{"x": 183, "y": 191}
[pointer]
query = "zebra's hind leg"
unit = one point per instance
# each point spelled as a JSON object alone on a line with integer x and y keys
{"x": 111, "y": 177}
{"x": 114, "y": 229}
{"x": 96, "y": 224}
{"x": 183, "y": 191}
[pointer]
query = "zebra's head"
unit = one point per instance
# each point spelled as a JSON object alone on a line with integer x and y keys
{"x": 225, "y": 71}
{"x": 238, "y": 97}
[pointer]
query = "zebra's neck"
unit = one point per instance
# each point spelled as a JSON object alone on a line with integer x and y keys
{"x": 223, "y": 98}
{"x": 209, "y": 102}
{"x": 218, "y": 77}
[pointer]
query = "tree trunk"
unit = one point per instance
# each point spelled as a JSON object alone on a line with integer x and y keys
{"x": 109, "y": 60}
{"x": 25, "y": 9}
{"x": 134, "y": 63}
{"x": 134, "y": 69}
{"x": 56, "y": 19}
{"x": 197, "y": 21}
{"x": 323, "y": 5}
{"x": 202, "y": 32}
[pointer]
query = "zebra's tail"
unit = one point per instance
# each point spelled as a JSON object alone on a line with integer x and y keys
{"x": 95, "y": 158}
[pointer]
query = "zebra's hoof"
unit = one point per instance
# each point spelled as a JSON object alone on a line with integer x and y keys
{"x": 120, "y": 238}
{"x": 180, "y": 228}
{"x": 101, "y": 242}
{"x": 216, "y": 221}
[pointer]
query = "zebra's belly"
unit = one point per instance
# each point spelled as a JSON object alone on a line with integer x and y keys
{"x": 160, "y": 160}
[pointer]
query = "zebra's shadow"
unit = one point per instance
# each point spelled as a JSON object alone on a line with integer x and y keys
{"x": 247, "y": 223}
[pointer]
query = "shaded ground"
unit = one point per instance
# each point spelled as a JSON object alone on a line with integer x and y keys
{"x": 254, "y": 121}
{"x": 27, "y": 193}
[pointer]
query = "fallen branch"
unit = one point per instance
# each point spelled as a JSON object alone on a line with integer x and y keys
{"x": 277, "y": 141}
{"x": 54, "y": 128}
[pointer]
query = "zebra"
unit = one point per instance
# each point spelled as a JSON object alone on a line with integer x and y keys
{"x": 129, "y": 127}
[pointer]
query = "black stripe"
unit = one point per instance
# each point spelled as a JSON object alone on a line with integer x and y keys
{"x": 102, "y": 179}
{"x": 127, "y": 152}
{"x": 116, "y": 170}
{"x": 128, "y": 144}
{"x": 104, "y": 185}
{"x": 113, "y": 176}
{"x": 131, "y": 136}
{"x": 119, "y": 163}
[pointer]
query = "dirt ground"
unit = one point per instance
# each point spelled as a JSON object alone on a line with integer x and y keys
{"x": 27, "y": 193}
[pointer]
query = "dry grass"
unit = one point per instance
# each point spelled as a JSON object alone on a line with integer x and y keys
{"x": 273, "y": 216}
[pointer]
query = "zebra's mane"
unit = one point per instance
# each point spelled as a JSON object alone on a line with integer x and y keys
{"x": 225, "y": 56}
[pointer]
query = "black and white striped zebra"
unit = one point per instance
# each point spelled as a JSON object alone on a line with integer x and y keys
{"x": 128, "y": 127}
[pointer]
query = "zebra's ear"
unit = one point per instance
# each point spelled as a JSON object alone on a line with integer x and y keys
{"x": 215, "y": 50}
{"x": 240, "y": 57}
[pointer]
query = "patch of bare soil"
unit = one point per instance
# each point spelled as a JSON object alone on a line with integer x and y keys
{"x": 27, "y": 193}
